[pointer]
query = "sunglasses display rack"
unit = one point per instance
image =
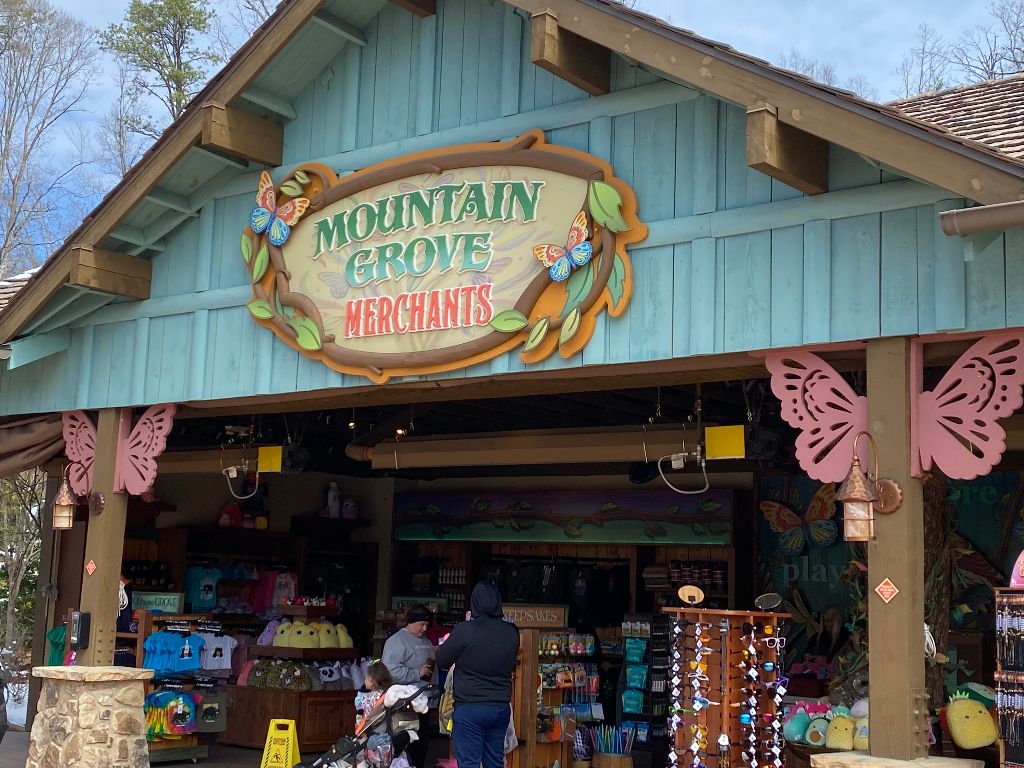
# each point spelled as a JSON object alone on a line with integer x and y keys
{"x": 726, "y": 685}
{"x": 1009, "y": 675}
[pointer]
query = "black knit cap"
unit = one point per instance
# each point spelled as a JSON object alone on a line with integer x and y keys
{"x": 418, "y": 613}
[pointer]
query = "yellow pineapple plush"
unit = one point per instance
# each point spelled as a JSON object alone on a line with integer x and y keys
{"x": 970, "y": 724}
{"x": 283, "y": 633}
{"x": 839, "y": 734}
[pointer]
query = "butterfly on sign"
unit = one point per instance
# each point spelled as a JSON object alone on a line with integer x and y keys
{"x": 267, "y": 217}
{"x": 336, "y": 282}
{"x": 576, "y": 253}
{"x": 816, "y": 526}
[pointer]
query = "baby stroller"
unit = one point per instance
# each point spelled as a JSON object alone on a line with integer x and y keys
{"x": 371, "y": 745}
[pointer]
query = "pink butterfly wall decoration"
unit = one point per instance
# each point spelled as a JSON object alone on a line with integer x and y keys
{"x": 819, "y": 403}
{"x": 954, "y": 425}
{"x": 138, "y": 448}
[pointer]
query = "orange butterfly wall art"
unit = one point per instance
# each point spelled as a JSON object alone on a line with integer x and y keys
{"x": 816, "y": 526}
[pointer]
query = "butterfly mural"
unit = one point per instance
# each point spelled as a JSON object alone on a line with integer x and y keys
{"x": 955, "y": 426}
{"x": 137, "y": 450}
{"x": 819, "y": 403}
{"x": 336, "y": 282}
{"x": 80, "y": 447}
{"x": 267, "y": 217}
{"x": 816, "y": 526}
{"x": 576, "y": 253}
{"x": 135, "y": 467}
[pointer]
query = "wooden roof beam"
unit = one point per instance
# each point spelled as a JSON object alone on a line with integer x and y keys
{"x": 112, "y": 273}
{"x": 242, "y": 135}
{"x": 566, "y": 55}
{"x": 421, "y": 8}
{"x": 270, "y": 101}
{"x": 786, "y": 153}
{"x": 341, "y": 28}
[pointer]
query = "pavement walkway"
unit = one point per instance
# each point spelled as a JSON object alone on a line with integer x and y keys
{"x": 14, "y": 750}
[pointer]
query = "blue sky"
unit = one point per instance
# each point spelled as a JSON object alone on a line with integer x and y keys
{"x": 861, "y": 37}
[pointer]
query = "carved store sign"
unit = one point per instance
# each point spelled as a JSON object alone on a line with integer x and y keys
{"x": 443, "y": 259}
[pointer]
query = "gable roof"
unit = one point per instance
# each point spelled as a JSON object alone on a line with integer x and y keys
{"x": 919, "y": 149}
{"x": 990, "y": 113}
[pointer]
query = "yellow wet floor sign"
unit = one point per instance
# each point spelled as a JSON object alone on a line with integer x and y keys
{"x": 282, "y": 749}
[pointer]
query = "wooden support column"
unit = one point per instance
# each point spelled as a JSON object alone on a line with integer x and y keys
{"x": 43, "y": 616}
{"x": 899, "y": 704}
{"x": 104, "y": 546}
{"x": 566, "y": 55}
{"x": 786, "y": 153}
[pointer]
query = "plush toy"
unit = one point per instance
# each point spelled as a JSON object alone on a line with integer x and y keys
{"x": 328, "y": 635}
{"x": 795, "y": 727}
{"x": 230, "y": 516}
{"x": 344, "y": 638}
{"x": 261, "y": 522}
{"x": 330, "y": 676}
{"x": 860, "y": 733}
{"x": 283, "y": 634}
{"x": 267, "y": 635}
{"x": 816, "y": 731}
{"x": 970, "y": 724}
{"x": 859, "y": 709}
{"x": 303, "y": 636}
{"x": 839, "y": 734}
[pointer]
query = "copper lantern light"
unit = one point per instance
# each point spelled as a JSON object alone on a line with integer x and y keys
{"x": 64, "y": 505}
{"x": 864, "y": 494}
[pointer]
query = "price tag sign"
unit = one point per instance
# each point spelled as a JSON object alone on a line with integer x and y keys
{"x": 887, "y": 591}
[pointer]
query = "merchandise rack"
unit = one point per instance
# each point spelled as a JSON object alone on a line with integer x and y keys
{"x": 724, "y": 716}
{"x": 1012, "y": 674}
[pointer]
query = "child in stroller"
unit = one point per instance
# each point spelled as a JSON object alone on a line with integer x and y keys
{"x": 382, "y": 735}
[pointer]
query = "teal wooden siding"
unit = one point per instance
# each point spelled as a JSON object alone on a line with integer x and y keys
{"x": 735, "y": 261}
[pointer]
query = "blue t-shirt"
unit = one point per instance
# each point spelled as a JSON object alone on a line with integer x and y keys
{"x": 201, "y": 587}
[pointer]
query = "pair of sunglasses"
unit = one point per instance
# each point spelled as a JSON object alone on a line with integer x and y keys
{"x": 767, "y": 666}
{"x": 774, "y": 642}
{"x": 750, "y": 629}
{"x": 702, "y": 702}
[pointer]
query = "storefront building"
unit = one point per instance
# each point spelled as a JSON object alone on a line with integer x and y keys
{"x": 419, "y": 204}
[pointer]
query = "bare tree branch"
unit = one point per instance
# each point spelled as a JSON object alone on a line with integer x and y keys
{"x": 925, "y": 67}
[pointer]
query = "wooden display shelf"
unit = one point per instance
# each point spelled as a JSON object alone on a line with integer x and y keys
{"x": 321, "y": 717}
{"x": 283, "y": 652}
{"x": 308, "y": 611}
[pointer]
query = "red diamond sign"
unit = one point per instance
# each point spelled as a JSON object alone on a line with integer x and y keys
{"x": 90, "y": 567}
{"x": 887, "y": 591}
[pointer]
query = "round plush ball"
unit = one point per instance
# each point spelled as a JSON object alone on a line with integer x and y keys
{"x": 839, "y": 734}
{"x": 970, "y": 723}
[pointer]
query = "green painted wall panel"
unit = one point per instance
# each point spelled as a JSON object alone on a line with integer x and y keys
{"x": 725, "y": 269}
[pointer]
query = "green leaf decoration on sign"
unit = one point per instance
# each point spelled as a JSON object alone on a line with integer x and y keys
{"x": 709, "y": 506}
{"x": 308, "y": 336}
{"x": 579, "y": 284}
{"x": 570, "y": 326}
{"x": 574, "y": 528}
{"x": 617, "y": 281}
{"x": 292, "y": 188}
{"x": 509, "y": 321}
{"x": 605, "y": 203}
{"x": 653, "y": 530}
{"x": 259, "y": 265}
{"x": 246, "y": 248}
{"x": 302, "y": 177}
{"x": 261, "y": 309}
{"x": 540, "y": 330}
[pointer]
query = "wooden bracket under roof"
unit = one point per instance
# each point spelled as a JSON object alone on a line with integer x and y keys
{"x": 786, "y": 153}
{"x": 565, "y": 54}
{"x": 243, "y": 135}
{"x": 107, "y": 272}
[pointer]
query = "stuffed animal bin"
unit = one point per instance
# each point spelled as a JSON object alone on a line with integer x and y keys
{"x": 283, "y": 634}
{"x": 303, "y": 636}
{"x": 795, "y": 727}
{"x": 344, "y": 638}
{"x": 839, "y": 734}
{"x": 970, "y": 723}
{"x": 328, "y": 635}
{"x": 816, "y": 732}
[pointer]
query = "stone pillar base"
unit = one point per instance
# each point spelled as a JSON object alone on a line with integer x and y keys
{"x": 90, "y": 717}
{"x": 864, "y": 760}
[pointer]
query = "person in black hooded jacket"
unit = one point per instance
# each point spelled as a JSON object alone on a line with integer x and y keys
{"x": 483, "y": 651}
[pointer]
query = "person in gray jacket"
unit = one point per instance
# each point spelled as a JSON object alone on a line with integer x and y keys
{"x": 408, "y": 655}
